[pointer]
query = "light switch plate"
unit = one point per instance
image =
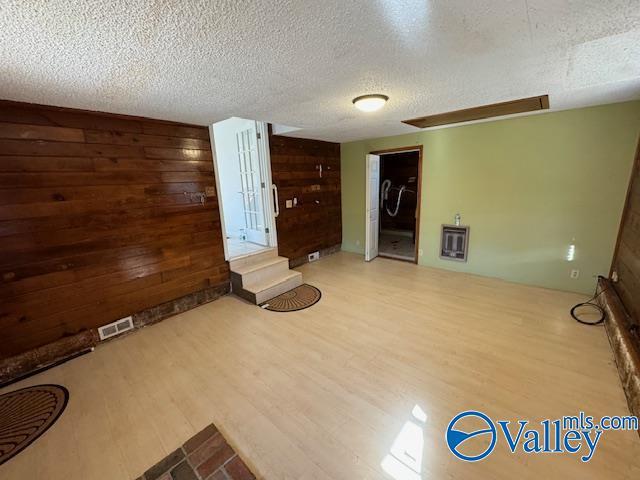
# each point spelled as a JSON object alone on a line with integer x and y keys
{"x": 288, "y": 203}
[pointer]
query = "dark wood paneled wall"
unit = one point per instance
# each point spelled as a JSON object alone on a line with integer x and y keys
{"x": 626, "y": 261}
{"x": 316, "y": 223}
{"x": 100, "y": 217}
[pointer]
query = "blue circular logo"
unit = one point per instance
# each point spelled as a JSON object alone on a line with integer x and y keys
{"x": 455, "y": 438}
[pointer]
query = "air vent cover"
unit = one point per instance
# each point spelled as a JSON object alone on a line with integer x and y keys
{"x": 454, "y": 243}
{"x": 115, "y": 328}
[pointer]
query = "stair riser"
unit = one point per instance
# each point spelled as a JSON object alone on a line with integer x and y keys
{"x": 279, "y": 289}
{"x": 266, "y": 273}
{"x": 251, "y": 259}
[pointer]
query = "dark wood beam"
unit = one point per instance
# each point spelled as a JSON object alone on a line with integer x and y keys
{"x": 522, "y": 105}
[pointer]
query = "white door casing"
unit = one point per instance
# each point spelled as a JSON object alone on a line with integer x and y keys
{"x": 372, "y": 207}
{"x": 269, "y": 200}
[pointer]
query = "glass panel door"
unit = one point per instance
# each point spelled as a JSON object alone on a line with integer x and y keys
{"x": 252, "y": 185}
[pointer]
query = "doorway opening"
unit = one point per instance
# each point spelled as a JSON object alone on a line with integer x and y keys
{"x": 245, "y": 191}
{"x": 393, "y": 203}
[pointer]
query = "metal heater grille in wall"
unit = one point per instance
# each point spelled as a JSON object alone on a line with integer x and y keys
{"x": 116, "y": 328}
{"x": 454, "y": 243}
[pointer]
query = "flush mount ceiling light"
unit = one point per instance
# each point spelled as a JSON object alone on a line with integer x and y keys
{"x": 370, "y": 103}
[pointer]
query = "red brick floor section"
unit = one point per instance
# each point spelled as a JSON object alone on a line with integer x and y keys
{"x": 237, "y": 470}
{"x": 205, "y": 456}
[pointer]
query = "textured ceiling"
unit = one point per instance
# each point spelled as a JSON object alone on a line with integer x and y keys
{"x": 300, "y": 63}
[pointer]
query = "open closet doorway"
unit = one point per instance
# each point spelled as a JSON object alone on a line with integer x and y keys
{"x": 393, "y": 203}
{"x": 246, "y": 196}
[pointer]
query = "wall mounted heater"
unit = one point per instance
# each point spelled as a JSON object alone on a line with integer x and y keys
{"x": 454, "y": 243}
{"x": 115, "y": 328}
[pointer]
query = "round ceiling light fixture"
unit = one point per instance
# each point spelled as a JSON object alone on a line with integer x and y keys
{"x": 370, "y": 103}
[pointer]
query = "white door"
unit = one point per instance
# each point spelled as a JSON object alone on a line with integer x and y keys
{"x": 372, "y": 207}
{"x": 252, "y": 186}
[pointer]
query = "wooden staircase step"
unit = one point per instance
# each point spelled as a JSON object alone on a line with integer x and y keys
{"x": 252, "y": 258}
{"x": 262, "y": 276}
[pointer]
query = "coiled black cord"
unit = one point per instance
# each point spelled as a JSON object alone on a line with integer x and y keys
{"x": 592, "y": 304}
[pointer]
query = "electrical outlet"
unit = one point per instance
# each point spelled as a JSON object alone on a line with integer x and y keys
{"x": 288, "y": 203}
{"x": 575, "y": 274}
{"x": 420, "y": 252}
{"x": 314, "y": 256}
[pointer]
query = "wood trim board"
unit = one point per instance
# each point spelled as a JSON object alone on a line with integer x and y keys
{"x": 511, "y": 107}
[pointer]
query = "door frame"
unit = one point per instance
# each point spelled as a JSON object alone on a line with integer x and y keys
{"x": 411, "y": 148}
{"x": 264, "y": 154}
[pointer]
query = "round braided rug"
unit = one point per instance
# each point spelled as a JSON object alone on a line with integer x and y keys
{"x": 26, "y": 414}
{"x": 297, "y": 299}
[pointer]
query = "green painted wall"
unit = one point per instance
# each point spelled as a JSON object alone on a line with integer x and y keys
{"x": 528, "y": 187}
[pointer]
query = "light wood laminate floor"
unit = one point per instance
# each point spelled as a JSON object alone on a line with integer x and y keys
{"x": 323, "y": 393}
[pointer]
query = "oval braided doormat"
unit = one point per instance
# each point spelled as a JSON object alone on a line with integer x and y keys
{"x": 298, "y": 298}
{"x": 26, "y": 414}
